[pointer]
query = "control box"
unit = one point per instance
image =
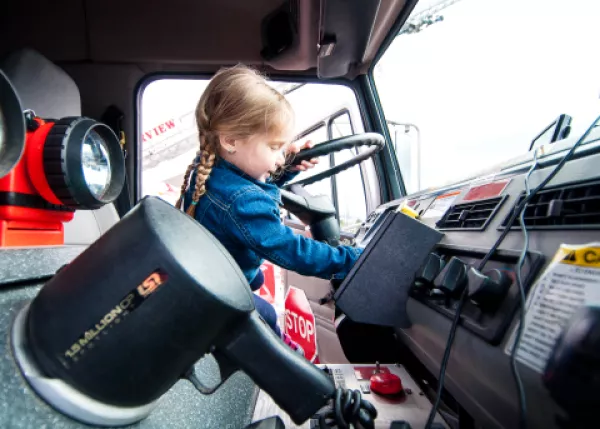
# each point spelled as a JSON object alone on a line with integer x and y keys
{"x": 492, "y": 294}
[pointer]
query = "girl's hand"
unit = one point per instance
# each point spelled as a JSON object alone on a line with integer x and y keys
{"x": 305, "y": 165}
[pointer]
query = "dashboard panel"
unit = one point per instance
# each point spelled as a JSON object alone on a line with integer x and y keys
{"x": 472, "y": 216}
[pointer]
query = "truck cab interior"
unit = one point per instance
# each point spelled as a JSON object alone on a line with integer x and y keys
{"x": 462, "y": 156}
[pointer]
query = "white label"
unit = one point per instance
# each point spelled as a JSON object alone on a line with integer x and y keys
{"x": 571, "y": 280}
{"x": 441, "y": 204}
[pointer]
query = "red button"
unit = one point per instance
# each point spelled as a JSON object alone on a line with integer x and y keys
{"x": 386, "y": 383}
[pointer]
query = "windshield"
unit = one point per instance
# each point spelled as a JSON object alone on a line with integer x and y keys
{"x": 467, "y": 84}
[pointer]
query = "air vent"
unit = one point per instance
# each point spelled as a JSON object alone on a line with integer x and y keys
{"x": 470, "y": 216}
{"x": 574, "y": 206}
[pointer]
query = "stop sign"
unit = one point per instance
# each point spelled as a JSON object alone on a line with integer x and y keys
{"x": 300, "y": 322}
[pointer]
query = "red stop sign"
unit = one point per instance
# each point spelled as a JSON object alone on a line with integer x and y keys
{"x": 300, "y": 322}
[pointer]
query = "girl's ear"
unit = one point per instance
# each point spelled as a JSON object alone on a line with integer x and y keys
{"x": 227, "y": 143}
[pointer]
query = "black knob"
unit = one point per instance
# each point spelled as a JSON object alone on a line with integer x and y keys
{"x": 453, "y": 278}
{"x": 431, "y": 268}
{"x": 488, "y": 289}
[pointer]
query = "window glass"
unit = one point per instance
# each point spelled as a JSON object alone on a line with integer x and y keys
{"x": 471, "y": 83}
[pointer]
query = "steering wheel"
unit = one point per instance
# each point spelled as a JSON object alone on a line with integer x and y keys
{"x": 376, "y": 141}
{"x": 318, "y": 211}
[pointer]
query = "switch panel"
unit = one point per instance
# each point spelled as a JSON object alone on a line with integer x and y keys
{"x": 493, "y": 294}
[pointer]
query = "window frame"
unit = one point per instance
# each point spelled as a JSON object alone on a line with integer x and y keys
{"x": 363, "y": 176}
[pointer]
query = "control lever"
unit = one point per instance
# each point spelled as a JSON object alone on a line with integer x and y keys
{"x": 487, "y": 290}
{"x": 453, "y": 278}
{"x": 385, "y": 383}
{"x": 431, "y": 268}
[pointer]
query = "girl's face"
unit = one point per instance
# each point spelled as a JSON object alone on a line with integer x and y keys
{"x": 258, "y": 156}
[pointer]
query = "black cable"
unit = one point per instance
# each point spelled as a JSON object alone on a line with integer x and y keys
{"x": 520, "y": 263}
{"x": 518, "y": 210}
{"x": 348, "y": 409}
{"x": 445, "y": 358}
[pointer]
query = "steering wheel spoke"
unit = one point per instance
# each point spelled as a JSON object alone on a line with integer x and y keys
{"x": 314, "y": 210}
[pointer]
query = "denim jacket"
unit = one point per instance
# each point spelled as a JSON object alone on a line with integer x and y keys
{"x": 243, "y": 214}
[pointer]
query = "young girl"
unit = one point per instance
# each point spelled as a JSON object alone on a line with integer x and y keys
{"x": 245, "y": 129}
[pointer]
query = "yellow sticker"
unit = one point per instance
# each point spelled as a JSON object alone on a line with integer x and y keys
{"x": 583, "y": 256}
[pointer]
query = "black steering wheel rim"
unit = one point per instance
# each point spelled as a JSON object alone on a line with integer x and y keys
{"x": 374, "y": 140}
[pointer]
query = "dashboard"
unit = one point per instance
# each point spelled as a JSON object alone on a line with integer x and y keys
{"x": 472, "y": 216}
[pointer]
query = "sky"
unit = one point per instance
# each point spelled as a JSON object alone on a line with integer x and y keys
{"x": 489, "y": 77}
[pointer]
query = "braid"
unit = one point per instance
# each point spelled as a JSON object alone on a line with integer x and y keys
{"x": 207, "y": 160}
{"x": 238, "y": 102}
{"x": 186, "y": 177}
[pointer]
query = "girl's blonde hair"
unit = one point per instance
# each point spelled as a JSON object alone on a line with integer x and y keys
{"x": 239, "y": 103}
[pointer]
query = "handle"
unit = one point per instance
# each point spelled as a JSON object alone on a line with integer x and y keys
{"x": 296, "y": 385}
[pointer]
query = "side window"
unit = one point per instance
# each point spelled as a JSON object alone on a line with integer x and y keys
{"x": 349, "y": 186}
{"x": 169, "y": 137}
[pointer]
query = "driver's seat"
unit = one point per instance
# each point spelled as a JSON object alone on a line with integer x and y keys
{"x": 51, "y": 93}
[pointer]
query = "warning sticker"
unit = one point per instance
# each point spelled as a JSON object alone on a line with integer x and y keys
{"x": 485, "y": 191}
{"x": 571, "y": 280}
{"x": 441, "y": 204}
